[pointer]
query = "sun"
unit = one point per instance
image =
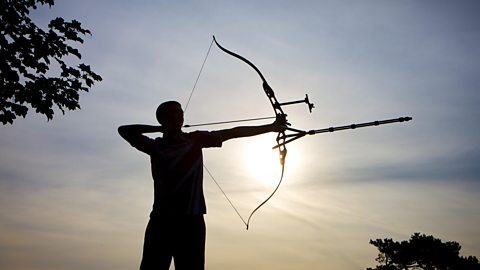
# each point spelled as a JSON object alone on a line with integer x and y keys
{"x": 262, "y": 162}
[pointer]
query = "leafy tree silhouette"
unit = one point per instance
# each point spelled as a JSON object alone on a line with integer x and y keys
{"x": 421, "y": 252}
{"x": 29, "y": 56}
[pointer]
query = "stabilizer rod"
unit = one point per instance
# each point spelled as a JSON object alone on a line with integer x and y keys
{"x": 299, "y": 134}
{"x": 354, "y": 126}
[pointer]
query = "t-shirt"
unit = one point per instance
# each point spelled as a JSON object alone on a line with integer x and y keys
{"x": 177, "y": 170}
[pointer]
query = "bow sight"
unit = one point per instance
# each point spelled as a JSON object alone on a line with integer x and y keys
{"x": 310, "y": 105}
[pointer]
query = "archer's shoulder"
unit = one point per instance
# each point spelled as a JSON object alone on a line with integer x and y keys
{"x": 206, "y": 138}
{"x": 200, "y": 133}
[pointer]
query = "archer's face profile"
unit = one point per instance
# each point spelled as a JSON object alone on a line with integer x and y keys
{"x": 170, "y": 116}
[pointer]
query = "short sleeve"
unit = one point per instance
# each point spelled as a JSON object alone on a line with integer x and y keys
{"x": 207, "y": 139}
{"x": 142, "y": 143}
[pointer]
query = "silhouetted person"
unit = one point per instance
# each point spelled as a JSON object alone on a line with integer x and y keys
{"x": 177, "y": 228}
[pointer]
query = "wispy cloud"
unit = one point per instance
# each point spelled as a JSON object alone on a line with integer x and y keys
{"x": 76, "y": 196}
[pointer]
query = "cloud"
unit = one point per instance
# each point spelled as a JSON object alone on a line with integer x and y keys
{"x": 74, "y": 193}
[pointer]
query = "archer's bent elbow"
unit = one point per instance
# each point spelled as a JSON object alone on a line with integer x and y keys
{"x": 122, "y": 130}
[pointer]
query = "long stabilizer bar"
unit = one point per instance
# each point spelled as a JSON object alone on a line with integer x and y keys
{"x": 300, "y": 133}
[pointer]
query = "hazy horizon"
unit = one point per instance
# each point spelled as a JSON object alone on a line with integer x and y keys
{"x": 76, "y": 196}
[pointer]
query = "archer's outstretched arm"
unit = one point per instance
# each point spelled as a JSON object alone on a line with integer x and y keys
{"x": 247, "y": 131}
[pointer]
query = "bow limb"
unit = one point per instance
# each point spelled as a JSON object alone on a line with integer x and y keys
{"x": 278, "y": 113}
{"x": 266, "y": 87}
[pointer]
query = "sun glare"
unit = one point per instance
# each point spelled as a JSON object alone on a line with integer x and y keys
{"x": 262, "y": 162}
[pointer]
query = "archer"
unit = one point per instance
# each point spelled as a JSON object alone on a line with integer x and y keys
{"x": 176, "y": 228}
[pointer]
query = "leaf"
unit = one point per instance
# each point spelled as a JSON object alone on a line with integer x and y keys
{"x": 26, "y": 52}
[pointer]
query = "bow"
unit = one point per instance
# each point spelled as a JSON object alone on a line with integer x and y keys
{"x": 282, "y": 138}
{"x": 279, "y": 113}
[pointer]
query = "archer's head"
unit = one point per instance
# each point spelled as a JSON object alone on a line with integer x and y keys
{"x": 170, "y": 116}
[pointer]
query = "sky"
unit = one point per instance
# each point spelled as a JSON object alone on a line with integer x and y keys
{"x": 74, "y": 195}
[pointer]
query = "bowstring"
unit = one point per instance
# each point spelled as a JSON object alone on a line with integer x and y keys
{"x": 206, "y": 169}
{"x": 198, "y": 77}
{"x": 225, "y": 195}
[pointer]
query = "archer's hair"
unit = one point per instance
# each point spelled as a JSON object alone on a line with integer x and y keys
{"x": 162, "y": 107}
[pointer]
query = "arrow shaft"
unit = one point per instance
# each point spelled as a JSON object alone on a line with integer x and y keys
{"x": 230, "y": 121}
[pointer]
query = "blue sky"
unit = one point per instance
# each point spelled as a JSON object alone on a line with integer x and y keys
{"x": 75, "y": 196}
